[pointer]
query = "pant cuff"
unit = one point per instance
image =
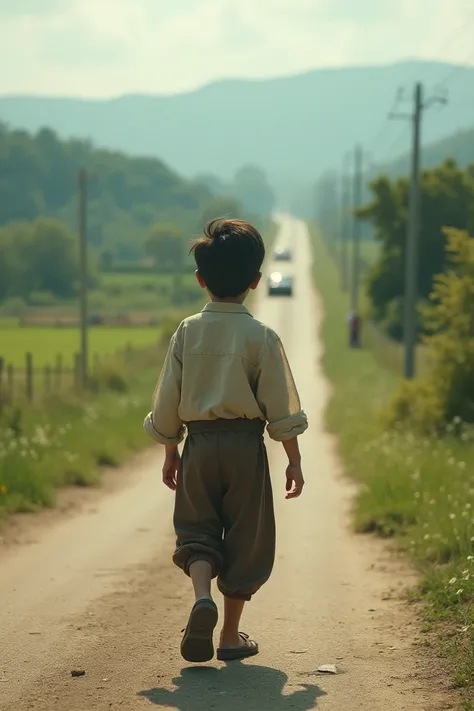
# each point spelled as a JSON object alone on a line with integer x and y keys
{"x": 234, "y": 595}
{"x": 201, "y": 556}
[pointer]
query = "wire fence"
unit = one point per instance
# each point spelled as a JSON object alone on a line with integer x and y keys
{"x": 31, "y": 384}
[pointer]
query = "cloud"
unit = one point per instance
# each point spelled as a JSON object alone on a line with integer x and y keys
{"x": 110, "y": 47}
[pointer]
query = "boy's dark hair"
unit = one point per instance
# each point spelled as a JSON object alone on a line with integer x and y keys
{"x": 229, "y": 256}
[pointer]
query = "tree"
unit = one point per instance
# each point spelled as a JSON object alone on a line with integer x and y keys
{"x": 445, "y": 393}
{"x": 53, "y": 258}
{"x": 251, "y": 188}
{"x": 226, "y": 207}
{"x": 166, "y": 245}
{"x": 39, "y": 256}
{"x": 447, "y": 199}
{"x": 126, "y": 195}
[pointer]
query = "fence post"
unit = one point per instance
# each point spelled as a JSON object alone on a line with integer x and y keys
{"x": 77, "y": 371}
{"x": 29, "y": 377}
{"x": 2, "y": 369}
{"x": 11, "y": 382}
{"x": 47, "y": 379}
{"x": 58, "y": 372}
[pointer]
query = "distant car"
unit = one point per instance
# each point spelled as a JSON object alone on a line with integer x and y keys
{"x": 283, "y": 255}
{"x": 280, "y": 284}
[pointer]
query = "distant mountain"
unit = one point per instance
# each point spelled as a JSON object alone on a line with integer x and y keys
{"x": 293, "y": 128}
{"x": 459, "y": 146}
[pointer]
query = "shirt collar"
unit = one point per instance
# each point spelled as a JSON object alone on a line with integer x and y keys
{"x": 226, "y": 307}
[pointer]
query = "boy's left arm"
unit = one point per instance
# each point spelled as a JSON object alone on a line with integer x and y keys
{"x": 163, "y": 423}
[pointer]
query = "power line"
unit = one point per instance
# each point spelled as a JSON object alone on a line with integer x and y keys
{"x": 399, "y": 137}
{"x": 439, "y": 86}
{"x": 455, "y": 71}
{"x": 452, "y": 38}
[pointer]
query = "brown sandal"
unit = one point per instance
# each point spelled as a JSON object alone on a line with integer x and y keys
{"x": 248, "y": 649}
{"x": 197, "y": 643}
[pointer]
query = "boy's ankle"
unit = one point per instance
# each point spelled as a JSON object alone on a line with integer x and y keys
{"x": 230, "y": 639}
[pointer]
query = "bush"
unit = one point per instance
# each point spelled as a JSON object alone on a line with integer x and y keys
{"x": 15, "y": 306}
{"x": 42, "y": 298}
{"x": 446, "y": 392}
{"x": 169, "y": 325}
{"x": 110, "y": 376}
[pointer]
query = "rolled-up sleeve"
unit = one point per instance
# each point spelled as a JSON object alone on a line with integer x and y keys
{"x": 278, "y": 397}
{"x": 163, "y": 423}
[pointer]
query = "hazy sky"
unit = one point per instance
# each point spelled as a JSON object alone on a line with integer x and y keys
{"x": 110, "y": 47}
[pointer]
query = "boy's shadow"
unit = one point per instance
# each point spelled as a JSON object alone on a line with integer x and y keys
{"x": 236, "y": 687}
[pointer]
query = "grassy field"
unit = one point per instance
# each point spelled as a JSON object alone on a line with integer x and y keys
{"x": 67, "y": 442}
{"x": 142, "y": 298}
{"x": 416, "y": 489}
{"x": 46, "y": 343}
{"x": 67, "y": 439}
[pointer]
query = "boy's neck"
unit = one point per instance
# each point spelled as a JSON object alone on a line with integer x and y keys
{"x": 227, "y": 301}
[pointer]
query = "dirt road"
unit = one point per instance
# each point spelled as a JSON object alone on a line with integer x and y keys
{"x": 97, "y": 592}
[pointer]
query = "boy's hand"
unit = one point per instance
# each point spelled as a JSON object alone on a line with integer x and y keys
{"x": 294, "y": 481}
{"x": 170, "y": 469}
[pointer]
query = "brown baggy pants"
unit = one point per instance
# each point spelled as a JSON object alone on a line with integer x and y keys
{"x": 224, "y": 505}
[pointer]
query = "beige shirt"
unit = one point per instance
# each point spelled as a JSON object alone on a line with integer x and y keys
{"x": 223, "y": 363}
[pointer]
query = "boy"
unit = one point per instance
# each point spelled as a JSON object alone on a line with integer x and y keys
{"x": 225, "y": 376}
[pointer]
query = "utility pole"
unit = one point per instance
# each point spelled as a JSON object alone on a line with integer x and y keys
{"x": 410, "y": 325}
{"x": 345, "y": 207}
{"x": 411, "y": 252}
{"x": 82, "y": 186}
{"x": 356, "y": 228}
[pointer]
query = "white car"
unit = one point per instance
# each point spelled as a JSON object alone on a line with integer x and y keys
{"x": 280, "y": 284}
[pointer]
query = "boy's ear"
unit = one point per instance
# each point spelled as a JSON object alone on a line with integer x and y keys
{"x": 201, "y": 281}
{"x": 256, "y": 281}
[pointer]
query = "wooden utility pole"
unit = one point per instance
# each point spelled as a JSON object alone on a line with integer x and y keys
{"x": 411, "y": 252}
{"x": 82, "y": 186}
{"x": 344, "y": 227}
{"x": 410, "y": 321}
{"x": 356, "y": 229}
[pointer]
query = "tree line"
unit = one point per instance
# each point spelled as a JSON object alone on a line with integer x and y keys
{"x": 441, "y": 396}
{"x": 447, "y": 200}
{"x": 138, "y": 211}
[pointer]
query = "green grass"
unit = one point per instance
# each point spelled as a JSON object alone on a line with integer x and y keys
{"x": 416, "y": 489}
{"x": 66, "y": 444}
{"x": 390, "y": 353}
{"x": 67, "y": 440}
{"x": 146, "y": 281}
{"x": 46, "y": 343}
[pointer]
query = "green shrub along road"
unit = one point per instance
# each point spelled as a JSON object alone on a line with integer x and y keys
{"x": 415, "y": 488}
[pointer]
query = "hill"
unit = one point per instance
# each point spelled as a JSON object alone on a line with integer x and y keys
{"x": 126, "y": 195}
{"x": 293, "y": 128}
{"x": 459, "y": 146}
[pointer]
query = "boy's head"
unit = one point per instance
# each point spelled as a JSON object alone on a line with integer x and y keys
{"x": 229, "y": 257}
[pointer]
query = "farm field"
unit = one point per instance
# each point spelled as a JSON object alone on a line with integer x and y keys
{"x": 45, "y": 344}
